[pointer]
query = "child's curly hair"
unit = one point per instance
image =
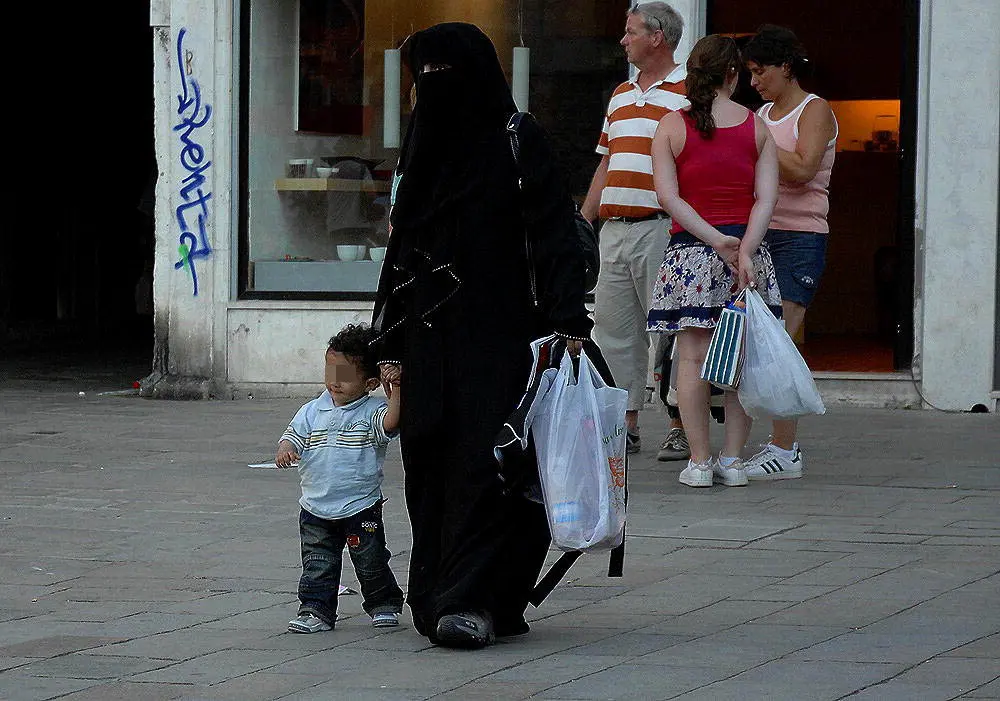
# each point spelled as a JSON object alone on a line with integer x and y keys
{"x": 355, "y": 342}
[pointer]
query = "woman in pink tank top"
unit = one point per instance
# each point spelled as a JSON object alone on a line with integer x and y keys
{"x": 716, "y": 172}
{"x": 805, "y": 131}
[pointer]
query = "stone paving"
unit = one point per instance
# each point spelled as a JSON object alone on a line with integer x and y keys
{"x": 141, "y": 559}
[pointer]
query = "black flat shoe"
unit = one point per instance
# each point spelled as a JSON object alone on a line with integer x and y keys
{"x": 465, "y": 630}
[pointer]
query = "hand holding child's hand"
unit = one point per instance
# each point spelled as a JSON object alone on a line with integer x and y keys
{"x": 286, "y": 455}
{"x": 391, "y": 377}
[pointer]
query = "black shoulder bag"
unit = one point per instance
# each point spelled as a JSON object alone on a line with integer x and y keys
{"x": 585, "y": 234}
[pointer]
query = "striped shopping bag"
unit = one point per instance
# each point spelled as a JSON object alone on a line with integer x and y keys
{"x": 724, "y": 361}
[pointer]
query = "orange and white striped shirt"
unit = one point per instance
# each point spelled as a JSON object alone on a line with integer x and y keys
{"x": 627, "y": 137}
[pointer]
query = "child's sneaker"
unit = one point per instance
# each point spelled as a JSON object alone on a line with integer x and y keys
{"x": 696, "y": 474}
{"x": 385, "y": 619}
{"x": 732, "y": 476}
{"x": 308, "y": 623}
{"x": 768, "y": 464}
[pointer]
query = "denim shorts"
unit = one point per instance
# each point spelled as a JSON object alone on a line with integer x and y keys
{"x": 799, "y": 259}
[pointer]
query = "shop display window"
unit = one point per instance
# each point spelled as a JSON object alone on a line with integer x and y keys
{"x": 315, "y": 159}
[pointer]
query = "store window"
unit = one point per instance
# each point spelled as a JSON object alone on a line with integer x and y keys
{"x": 315, "y": 159}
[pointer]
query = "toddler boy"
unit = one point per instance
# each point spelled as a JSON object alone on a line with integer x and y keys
{"x": 339, "y": 440}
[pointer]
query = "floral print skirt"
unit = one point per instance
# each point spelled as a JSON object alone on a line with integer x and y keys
{"x": 694, "y": 285}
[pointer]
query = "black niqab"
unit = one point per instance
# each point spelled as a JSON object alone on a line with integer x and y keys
{"x": 459, "y": 111}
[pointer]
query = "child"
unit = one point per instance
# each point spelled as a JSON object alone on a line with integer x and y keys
{"x": 339, "y": 440}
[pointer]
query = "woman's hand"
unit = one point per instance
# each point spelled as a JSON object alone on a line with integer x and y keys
{"x": 746, "y": 274}
{"x": 728, "y": 249}
{"x": 574, "y": 347}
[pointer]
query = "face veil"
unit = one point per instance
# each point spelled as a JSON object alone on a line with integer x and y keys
{"x": 459, "y": 111}
{"x": 455, "y": 158}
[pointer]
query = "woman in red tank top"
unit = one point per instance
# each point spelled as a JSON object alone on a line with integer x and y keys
{"x": 715, "y": 170}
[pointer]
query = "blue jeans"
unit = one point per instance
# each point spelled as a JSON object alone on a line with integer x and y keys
{"x": 323, "y": 543}
{"x": 799, "y": 258}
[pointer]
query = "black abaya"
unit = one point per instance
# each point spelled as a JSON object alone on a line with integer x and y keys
{"x": 456, "y": 309}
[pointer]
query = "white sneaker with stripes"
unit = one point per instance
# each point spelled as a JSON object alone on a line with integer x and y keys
{"x": 768, "y": 465}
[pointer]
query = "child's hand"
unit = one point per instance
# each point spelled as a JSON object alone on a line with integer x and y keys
{"x": 286, "y": 455}
{"x": 391, "y": 373}
{"x": 391, "y": 377}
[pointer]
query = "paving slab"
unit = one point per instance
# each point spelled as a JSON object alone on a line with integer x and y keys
{"x": 141, "y": 559}
{"x": 783, "y": 680}
{"x": 128, "y": 691}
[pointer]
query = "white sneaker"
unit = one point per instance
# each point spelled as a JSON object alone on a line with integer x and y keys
{"x": 697, "y": 474}
{"x": 768, "y": 465}
{"x": 732, "y": 476}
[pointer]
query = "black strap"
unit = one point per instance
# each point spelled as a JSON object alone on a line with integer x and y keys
{"x": 561, "y": 566}
{"x": 558, "y": 570}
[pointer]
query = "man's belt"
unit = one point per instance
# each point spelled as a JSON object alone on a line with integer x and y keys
{"x": 633, "y": 220}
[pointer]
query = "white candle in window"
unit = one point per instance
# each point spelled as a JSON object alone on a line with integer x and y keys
{"x": 520, "y": 87}
{"x": 390, "y": 101}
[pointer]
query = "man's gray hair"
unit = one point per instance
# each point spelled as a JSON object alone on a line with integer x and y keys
{"x": 661, "y": 16}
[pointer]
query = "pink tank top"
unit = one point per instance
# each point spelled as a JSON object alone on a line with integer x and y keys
{"x": 801, "y": 206}
{"x": 716, "y": 176}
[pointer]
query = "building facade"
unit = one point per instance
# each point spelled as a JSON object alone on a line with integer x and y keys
{"x": 277, "y": 125}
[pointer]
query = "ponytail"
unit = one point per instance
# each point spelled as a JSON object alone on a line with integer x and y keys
{"x": 701, "y": 95}
{"x": 713, "y": 59}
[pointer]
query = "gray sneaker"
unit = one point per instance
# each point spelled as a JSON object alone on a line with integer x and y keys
{"x": 385, "y": 619}
{"x": 675, "y": 447}
{"x": 308, "y": 623}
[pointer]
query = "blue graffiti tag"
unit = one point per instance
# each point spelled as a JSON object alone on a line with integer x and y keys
{"x": 193, "y": 241}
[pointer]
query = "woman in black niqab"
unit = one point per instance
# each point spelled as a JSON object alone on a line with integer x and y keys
{"x": 457, "y": 308}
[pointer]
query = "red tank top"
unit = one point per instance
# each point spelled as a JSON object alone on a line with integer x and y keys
{"x": 716, "y": 176}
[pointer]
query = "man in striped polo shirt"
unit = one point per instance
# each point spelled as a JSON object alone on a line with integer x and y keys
{"x": 621, "y": 193}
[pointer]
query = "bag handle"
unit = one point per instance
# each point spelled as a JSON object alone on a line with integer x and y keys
{"x": 587, "y": 366}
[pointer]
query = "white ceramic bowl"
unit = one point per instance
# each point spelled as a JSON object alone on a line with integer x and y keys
{"x": 324, "y": 171}
{"x": 349, "y": 252}
{"x": 377, "y": 253}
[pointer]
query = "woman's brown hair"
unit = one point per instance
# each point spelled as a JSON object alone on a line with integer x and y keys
{"x": 712, "y": 60}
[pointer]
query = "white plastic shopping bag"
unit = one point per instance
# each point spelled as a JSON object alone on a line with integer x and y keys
{"x": 776, "y": 381}
{"x": 579, "y": 434}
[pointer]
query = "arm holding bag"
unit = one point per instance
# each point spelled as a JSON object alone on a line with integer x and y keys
{"x": 776, "y": 381}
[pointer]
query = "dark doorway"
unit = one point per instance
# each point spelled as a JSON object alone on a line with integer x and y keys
{"x": 72, "y": 285}
{"x": 864, "y": 54}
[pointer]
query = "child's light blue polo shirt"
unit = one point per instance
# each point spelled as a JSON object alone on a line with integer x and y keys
{"x": 341, "y": 452}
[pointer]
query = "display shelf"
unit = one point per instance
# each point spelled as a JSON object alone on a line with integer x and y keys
{"x": 316, "y": 276}
{"x": 330, "y": 185}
